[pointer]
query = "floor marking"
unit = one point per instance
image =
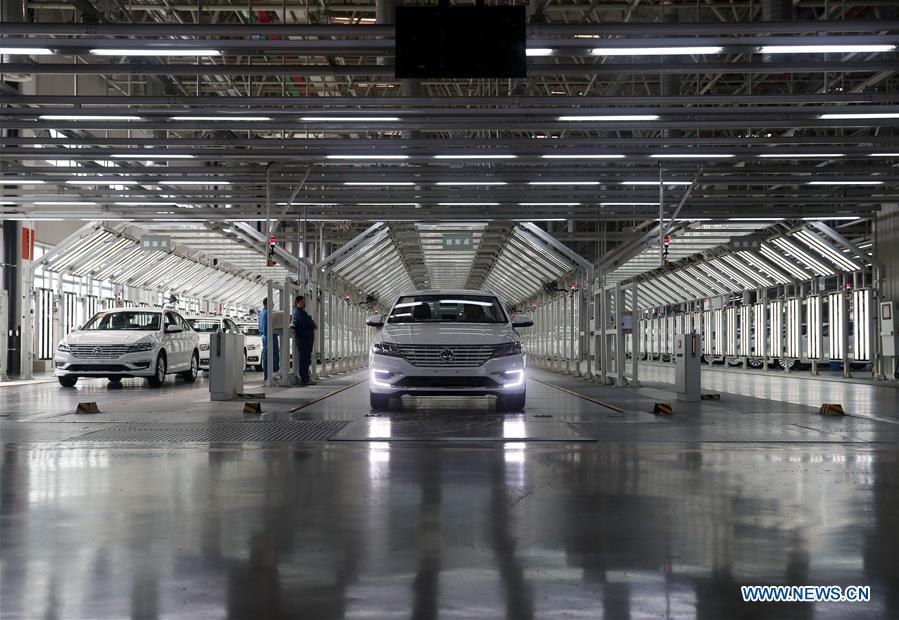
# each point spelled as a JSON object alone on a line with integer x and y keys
{"x": 573, "y": 393}
{"x": 328, "y": 395}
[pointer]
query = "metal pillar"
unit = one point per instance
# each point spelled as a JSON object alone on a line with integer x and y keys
{"x": 636, "y": 336}
{"x": 620, "y": 355}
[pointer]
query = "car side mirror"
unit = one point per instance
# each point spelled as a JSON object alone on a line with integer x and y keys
{"x": 173, "y": 329}
{"x": 522, "y": 321}
{"x": 375, "y": 320}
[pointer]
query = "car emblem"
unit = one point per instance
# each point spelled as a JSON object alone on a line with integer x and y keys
{"x": 96, "y": 351}
{"x": 447, "y": 355}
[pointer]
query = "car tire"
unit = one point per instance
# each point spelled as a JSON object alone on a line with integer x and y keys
{"x": 258, "y": 367}
{"x": 161, "y": 368}
{"x": 190, "y": 376}
{"x": 379, "y": 402}
{"x": 511, "y": 402}
{"x": 67, "y": 381}
{"x": 114, "y": 379}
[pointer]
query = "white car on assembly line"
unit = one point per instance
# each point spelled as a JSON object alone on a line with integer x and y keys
{"x": 205, "y": 326}
{"x": 252, "y": 342}
{"x": 129, "y": 342}
{"x": 448, "y": 342}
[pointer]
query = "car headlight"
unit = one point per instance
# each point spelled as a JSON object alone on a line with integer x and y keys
{"x": 140, "y": 346}
{"x": 204, "y": 347}
{"x": 507, "y": 348}
{"x": 386, "y": 348}
{"x": 63, "y": 347}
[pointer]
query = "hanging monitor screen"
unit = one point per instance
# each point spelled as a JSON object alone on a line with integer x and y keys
{"x": 461, "y": 42}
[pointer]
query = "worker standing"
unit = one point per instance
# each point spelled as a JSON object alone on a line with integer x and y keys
{"x": 304, "y": 337}
{"x": 276, "y": 357}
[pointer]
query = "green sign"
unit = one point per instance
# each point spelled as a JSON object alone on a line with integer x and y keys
{"x": 458, "y": 242}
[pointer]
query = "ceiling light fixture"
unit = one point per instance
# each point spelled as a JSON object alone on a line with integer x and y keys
{"x": 89, "y": 117}
{"x": 22, "y": 181}
{"x": 841, "y": 218}
{"x": 845, "y": 183}
{"x": 884, "y": 155}
{"x": 144, "y": 204}
{"x": 348, "y": 119}
{"x": 467, "y": 204}
{"x": 475, "y": 156}
{"x": 656, "y": 51}
{"x": 26, "y": 51}
{"x": 539, "y": 51}
{"x": 103, "y": 181}
{"x": 549, "y": 204}
{"x": 563, "y": 182}
{"x": 691, "y": 155}
{"x": 584, "y": 156}
{"x": 860, "y": 116}
{"x": 471, "y": 183}
{"x": 184, "y": 51}
{"x": 222, "y": 118}
{"x": 610, "y": 117}
{"x": 206, "y": 182}
{"x": 64, "y": 203}
{"x": 801, "y": 155}
{"x": 629, "y": 204}
{"x": 363, "y": 157}
{"x": 150, "y": 156}
{"x": 824, "y": 49}
{"x": 656, "y": 183}
{"x": 377, "y": 183}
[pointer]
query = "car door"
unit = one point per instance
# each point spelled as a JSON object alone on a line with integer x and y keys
{"x": 188, "y": 340}
{"x": 173, "y": 342}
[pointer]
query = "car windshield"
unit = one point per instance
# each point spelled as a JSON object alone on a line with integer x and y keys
{"x": 447, "y": 309}
{"x": 138, "y": 321}
{"x": 205, "y": 326}
{"x": 249, "y": 330}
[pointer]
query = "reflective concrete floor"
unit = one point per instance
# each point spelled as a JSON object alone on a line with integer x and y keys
{"x": 443, "y": 508}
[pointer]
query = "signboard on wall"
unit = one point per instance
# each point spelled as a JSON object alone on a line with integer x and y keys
{"x": 458, "y": 242}
{"x": 156, "y": 243}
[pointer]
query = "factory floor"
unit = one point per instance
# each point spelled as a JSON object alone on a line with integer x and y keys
{"x": 585, "y": 505}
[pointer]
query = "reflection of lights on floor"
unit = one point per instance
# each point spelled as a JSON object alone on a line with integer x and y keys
{"x": 514, "y": 452}
{"x": 379, "y": 428}
{"x": 378, "y": 452}
{"x": 514, "y": 429}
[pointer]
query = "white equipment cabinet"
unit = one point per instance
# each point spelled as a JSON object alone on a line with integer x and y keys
{"x": 225, "y": 365}
{"x": 687, "y": 356}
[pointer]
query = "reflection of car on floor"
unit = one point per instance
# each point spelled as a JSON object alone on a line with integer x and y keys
{"x": 129, "y": 342}
{"x": 252, "y": 341}
{"x": 206, "y": 326}
{"x": 448, "y": 342}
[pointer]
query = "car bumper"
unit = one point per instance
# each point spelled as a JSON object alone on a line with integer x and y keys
{"x": 395, "y": 376}
{"x": 254, "y": 358}
{"x": 130, "y": 365}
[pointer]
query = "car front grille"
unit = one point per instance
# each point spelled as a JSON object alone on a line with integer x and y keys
{"x": 98, "y": 352}
{"x": 97, "y": 368}
{"x": 452, "y": 356}
{"x": 446, "y": 382}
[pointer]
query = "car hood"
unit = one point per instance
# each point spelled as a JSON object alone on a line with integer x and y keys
{"x": 447, "y": 333}
{"x": 111, "y": 336}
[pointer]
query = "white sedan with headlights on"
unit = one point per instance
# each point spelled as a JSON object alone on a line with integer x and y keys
{"x": 252, "y": 343}
{"x": 448, "y": 342}
{"x": 129, "y": 342}
{"x": 205, "y": 326}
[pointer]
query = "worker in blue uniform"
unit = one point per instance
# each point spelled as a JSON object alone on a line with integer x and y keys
{"x": 276, "y": 354}
{"x": 304, "y": 336}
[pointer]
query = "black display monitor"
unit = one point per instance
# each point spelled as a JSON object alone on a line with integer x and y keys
{"x": 461, "y": 42}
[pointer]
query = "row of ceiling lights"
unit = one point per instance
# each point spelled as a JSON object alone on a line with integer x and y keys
{"x": 380, "y": 119}
{"x": 112, "y": 181}
{"x": 138, "y": 156}
{"x": 533, "y": 52}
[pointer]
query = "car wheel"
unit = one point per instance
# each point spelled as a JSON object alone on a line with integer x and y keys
{"x": 191, "y": 375}
{"x": 67, "y": 381}
{"x": 258, "y": 367}
{"x": 379, "y": 401}
{"x": 114, "y": 379}
{"x": 510, "y": 402}
{"x": 755, "y": 362}
{"x": 159, "y": 378}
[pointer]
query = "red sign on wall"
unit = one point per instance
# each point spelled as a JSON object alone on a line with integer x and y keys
{"x": 27, "y": 243}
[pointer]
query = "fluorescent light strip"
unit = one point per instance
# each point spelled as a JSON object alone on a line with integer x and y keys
{"x": 377, "y": 183}
{"x": 861, "y": 116}
{"x": 801, "y": 155}
{"x": 145, "y": 204}
{"x": 26, "y": 51}
{"x": 549, "y": 204}
{"x": 22, "y": 181}
{"x": 309, "y": 204}
{"x": 101, "y": 182}
{"x": 845, "y": 183}
{"x": 89, "y": 117}
{"x": 655, "y": 51}
{"x": 629, "y": 204}
{"x": 610, "y": 156}
{"x": 563, "y": 182}
{"x": 150, "y": 52}
{"x": 691, "y": 155}
{"x": 149, "y": 156}
{"x": 208, "y": 182}
{"x": 348, "y": 119}
{"x": 884, "y": 155}
{"x": 755, "y": 219}
{"x": 388, "y": 204}
{"x": 610, "y": 117}
{"x": 539, "y": 51}
{"x": 824, "y": 49}
{"x": 363, "y": 157}
{"x": 467, "y": 204}
{"x": 475, "y": 156}
{"x": 222, "y": 118}
{"x": 656, "y": 183}
{"x": 471, "y": 183}
{"x": 64, "y": 203}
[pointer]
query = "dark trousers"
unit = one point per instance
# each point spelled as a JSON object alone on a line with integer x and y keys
{"x": 305, "y": 360}
{"x": 276, "y": 355}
